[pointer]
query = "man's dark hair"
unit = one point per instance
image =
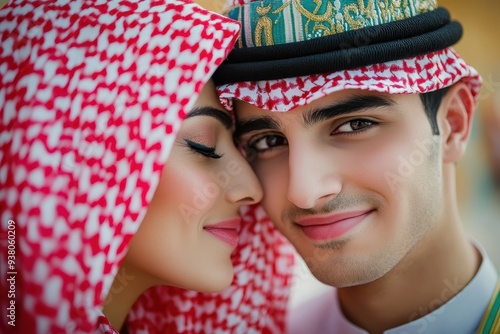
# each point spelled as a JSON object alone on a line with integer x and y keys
{"x": 431, "y": 102}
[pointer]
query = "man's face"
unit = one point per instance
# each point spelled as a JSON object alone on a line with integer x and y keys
{"x": 353, "y": 180}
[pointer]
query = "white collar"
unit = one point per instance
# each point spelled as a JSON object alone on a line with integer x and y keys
{"x": 461, "y": 314}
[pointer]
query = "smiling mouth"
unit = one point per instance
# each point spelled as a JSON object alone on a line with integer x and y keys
{"x": 229, "y": 236}
{"x": 226, "y": 231}
{"x": 333, "y": 226}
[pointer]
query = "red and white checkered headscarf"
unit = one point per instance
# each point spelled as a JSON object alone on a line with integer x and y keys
{"x": 92, "y": 94}
{"x": 415, "y": 75}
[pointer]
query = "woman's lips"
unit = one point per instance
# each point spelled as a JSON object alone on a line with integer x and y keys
{"x": 226, "y": 231}
{"x": 332, "y": 226}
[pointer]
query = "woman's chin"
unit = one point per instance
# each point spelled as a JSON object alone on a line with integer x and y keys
{"x": 216, "y": 281}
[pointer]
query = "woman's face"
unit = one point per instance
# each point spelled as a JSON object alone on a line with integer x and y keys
{"x": 192, "y": 224}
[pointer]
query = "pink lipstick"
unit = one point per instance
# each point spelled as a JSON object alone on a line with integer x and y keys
{"x": 332, "y": 226}
{"x": 226, "y": 230}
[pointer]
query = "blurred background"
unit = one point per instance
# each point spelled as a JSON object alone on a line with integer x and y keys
{"x": 478, "y": 183}
{"x": 479, "y": 171}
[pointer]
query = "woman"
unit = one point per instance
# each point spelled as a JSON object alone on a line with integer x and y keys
{"x": 93, "y": 94}
{"x": 192, "y": 223}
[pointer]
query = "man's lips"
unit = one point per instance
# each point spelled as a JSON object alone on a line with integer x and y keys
{"x": 226, "y": 230}
{"x": 332, "y": 226}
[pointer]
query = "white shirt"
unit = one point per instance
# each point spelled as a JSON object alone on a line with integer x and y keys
{"x": 461, "y": 314}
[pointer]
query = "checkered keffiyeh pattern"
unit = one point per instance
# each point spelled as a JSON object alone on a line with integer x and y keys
{"x": 92, "y": 94}
{"x": 415, "y": 75}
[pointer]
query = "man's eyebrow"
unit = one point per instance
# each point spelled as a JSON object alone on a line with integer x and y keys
{"x": 351, "y": 105}
{"x": 257, "y": 123}
{"x": 218, "y": 114}
{"x": 315, "y": 115}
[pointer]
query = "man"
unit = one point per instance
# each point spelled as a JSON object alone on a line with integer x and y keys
{"x": 358, "y": 168}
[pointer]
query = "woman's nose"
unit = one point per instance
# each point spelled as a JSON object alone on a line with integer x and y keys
{"x": 244, "y": 187}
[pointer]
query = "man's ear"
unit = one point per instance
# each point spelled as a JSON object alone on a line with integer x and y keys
{"x": 455, "y": 120}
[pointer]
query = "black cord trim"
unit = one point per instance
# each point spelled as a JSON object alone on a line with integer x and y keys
{"x": 339, "y": 59}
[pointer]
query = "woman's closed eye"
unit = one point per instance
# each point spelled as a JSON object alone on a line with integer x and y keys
{"x": 206, "y": 151}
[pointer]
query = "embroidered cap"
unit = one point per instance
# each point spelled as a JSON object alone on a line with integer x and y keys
{"x": 292, "y": 52}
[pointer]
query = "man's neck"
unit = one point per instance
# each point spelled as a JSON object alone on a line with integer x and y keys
{"x": 438, "y": 267}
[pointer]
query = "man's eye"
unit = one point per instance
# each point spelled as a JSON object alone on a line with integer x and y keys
{"x": 267, "y": 142}
{"x": 354, "y": 126}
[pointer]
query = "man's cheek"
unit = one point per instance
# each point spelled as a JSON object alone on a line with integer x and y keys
{"x": 272, "y": 176}
{"x": 384, "y": 169}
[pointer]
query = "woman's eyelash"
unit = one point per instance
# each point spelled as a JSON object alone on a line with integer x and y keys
{"x": 208, "y": 152}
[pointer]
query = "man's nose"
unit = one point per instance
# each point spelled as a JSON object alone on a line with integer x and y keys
{"x": 313, "y": 176}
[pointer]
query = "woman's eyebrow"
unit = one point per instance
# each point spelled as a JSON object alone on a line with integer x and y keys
{"x": 218, "y": 114}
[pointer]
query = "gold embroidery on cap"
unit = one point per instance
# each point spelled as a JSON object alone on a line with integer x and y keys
{"x": 264, "y": 24}
{"x": 317, "y": 18}
{"x": 313, "y": 16}
{"x": 361, "y": 13}
{"x": 426, "y": 5}
{"x": 396, "y": 10}
{"x": 281, "y": 8}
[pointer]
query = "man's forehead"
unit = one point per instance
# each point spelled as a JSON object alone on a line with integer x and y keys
{"x": 245, "y": 109}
